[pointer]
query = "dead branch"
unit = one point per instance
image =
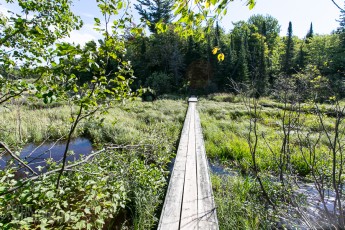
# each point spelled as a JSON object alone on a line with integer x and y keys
{"x": 2, "y": 145}
{"x": 130, "y": 146}
{"x": 37, "y": 147}
{"x": 86, "y": 159}
{"x": 336, "y": 4}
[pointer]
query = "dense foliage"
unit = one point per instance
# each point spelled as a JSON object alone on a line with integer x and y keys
{"x": 254, "y": 54}
{"x": 51, "y": 89}
{"x": 284, "y": 160}
{"x": 129, "y": 182}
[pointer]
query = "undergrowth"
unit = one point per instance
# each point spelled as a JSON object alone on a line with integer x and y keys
{"x": 92, "y": 195}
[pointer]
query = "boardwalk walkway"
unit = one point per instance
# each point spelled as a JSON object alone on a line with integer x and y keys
{"x": 189, "y": 201}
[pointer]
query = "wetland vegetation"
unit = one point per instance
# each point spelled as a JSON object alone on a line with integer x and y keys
{"x": 272, "y": 111}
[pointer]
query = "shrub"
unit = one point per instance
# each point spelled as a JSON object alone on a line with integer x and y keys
{"x": 160, "y": 82}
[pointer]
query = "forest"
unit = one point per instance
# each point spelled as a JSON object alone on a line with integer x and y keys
{"x": 254, "y": 53}
{"x": 272, "y": 111}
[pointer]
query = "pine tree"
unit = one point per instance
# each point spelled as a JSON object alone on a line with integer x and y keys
{"x": 231, "y": 58}
{"x": 289, "y": 51}
{"x": 154, "y": 11}
{"x": 262, "y": 81}
{"x": 339, "y": 60}
{"x": 341, "y": 28}
{"x": 143, "y": 48}
{"x": 310, "y": 34}
{"x": 243, "y": 72}
{"x": 217, "y": 35}
{"x": 301, "y": 57}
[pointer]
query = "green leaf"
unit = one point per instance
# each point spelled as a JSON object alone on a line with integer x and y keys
{"x": 97, "y": 21}
{"x": 38, "y": 29}
{"x": 66, "y": 217}
{"x": 87, "y": 211}
{"x": 120, "y": 5}
{"x": 121, "y": 77}
{"x": 50, "y": 194}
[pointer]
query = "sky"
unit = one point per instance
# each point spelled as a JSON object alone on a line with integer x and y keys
{"x": 322, "y": 13}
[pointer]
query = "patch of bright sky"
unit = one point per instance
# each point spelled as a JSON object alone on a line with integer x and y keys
{"x": 322, "y": 13}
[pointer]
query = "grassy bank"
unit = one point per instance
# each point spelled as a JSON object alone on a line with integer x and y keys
{"x": 92, "y": 195}
{"x": 226, "y": 130}
{"x": 132, "y": 182}
{"x": 226, "y": 127}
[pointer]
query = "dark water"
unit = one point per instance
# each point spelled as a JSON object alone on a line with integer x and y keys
{"x": 36, "y": 155}
{"x": 219, "y": 169}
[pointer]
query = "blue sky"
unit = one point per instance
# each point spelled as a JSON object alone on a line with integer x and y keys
{"x": 322, "y": 13}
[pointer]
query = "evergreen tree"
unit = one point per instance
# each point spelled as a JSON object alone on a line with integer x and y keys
{"x": 302, "y": 54}
{"x": 339, "y": 57}
{"x": 243, "y": 72}
{"x": 301, "y": 60}
{"x": 262, "y": 81}
{"x": 217, "y": 35}
{"x": 154, "y": 11}
{"x": 143, "y": 48}
{"x": 190, "y": 54}
{"x": 341, "y": 28}
{"x": 289, "y": 52}
{"x": 310, "y": 34}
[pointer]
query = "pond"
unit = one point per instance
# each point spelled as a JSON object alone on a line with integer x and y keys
{"x": 36, "y": 155}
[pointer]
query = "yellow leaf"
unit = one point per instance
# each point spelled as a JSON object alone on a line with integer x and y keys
{"x": 251, "y": 4}
{"x": 207, "y": 4}
{"x": 220, "y": 57}
{"x": 215, "y": 50}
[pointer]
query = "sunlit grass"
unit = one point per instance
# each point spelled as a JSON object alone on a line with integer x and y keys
{"x": 226, "y": 126}
{"x": 143, "y": 176}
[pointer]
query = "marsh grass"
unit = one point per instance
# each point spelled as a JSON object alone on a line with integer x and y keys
{"x": 239, "y": 205}
{"x": 135, "y": 122}
{"x": 225, "y": 125}
{"x": 142, "y": 174}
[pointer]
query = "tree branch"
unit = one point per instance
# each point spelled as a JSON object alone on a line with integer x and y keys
{"x": 337, "y": 5}
{"x": 17, "y": 158}
{"x": 52, "y": 172}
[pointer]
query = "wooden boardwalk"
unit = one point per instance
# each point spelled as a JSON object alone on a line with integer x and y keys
{"x": 189, "y": 201}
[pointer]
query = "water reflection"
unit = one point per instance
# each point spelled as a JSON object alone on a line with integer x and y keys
{"x": 37, "y": 155}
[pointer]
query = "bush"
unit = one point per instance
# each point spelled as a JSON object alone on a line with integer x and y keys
{"x": 160, "y": 82}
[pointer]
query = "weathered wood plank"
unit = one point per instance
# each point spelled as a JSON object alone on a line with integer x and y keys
{"x": 192, "y": 99}
{"x": 171, "y": 213}
{"x": 189, "y": 201}
{"x": 189, "y": 212}
{"x": 207, "y": 216}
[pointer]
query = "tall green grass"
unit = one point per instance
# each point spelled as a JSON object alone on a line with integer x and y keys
{"x": 226, "y": 121}
{"x": 239, "y": 204}
{"x": 141, "y": 174}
